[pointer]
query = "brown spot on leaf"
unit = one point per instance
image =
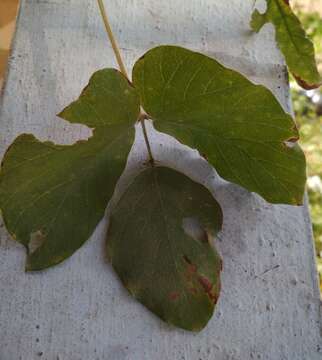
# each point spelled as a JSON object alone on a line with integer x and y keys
{"x": 208, "y": 288}
{"x": 304, "y": 84}
{"x": 289, "y": 143}
{"x": 193, "y": 291}
{"x": 295, "y": 128}
{"x": 191, "y": 268}
{"x": 186, "y": 259}
{"x": 37, "y": 238}
{"x": 204, "y": 156}
{"x": 173, "y": 296}
{"x": 206, "y": 284}
{"x": 293, "y": 139}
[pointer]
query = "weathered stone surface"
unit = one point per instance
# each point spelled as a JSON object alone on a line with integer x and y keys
{"x": 269, "y": 307}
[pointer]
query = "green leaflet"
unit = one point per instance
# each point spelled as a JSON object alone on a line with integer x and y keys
{"x": 53, "y": 196}
{"x": 172, "y": 271}
{"x": 239, "y": 127}
{"x": 297, "y": 49}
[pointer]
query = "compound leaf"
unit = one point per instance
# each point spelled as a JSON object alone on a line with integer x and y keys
{"x": 238, "y": 126}
{"x": 291, "y": 38}
{"x": 158, "y": 243}
{"x": 53, "y": 196}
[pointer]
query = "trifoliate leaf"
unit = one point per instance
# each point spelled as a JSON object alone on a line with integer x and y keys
{"x": 158, "y": 243}
{"x": 238, "y": 126}
{"x": 291, "y": 38}
{"x": 53, "y": 196}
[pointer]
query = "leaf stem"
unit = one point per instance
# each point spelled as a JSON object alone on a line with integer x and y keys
{"x": 143, "y": 115}
{"x": 112, "y": 38}
{"x": 142, "y": 119}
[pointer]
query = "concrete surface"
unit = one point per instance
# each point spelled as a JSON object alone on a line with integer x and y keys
{"x": 269, "y": 307}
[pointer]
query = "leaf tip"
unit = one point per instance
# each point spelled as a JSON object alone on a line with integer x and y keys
{"x": 305, "y": 85}
{"x": 62, "y": 114}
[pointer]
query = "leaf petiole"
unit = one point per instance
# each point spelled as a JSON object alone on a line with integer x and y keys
{"x": 112, "y": 38}
{"x": 142, "y": 119}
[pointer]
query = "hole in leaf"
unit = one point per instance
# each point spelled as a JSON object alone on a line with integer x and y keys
{"x": 37, "y": 238}
{"x": 289, "y": 143}
{"x": 193, "y": 228}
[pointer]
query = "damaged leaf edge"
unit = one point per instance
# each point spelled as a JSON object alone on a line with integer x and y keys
{"x": 258, "y": 20}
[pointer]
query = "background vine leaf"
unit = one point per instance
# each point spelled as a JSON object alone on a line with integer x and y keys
{"x": 53, "y": 196}
{"x": 291, "y": 38}
{"x": 158, "y": 243}
{"x": 240, "y": 127}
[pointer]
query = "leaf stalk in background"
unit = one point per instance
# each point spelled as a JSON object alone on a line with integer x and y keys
{"x": 122, "y": 67}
